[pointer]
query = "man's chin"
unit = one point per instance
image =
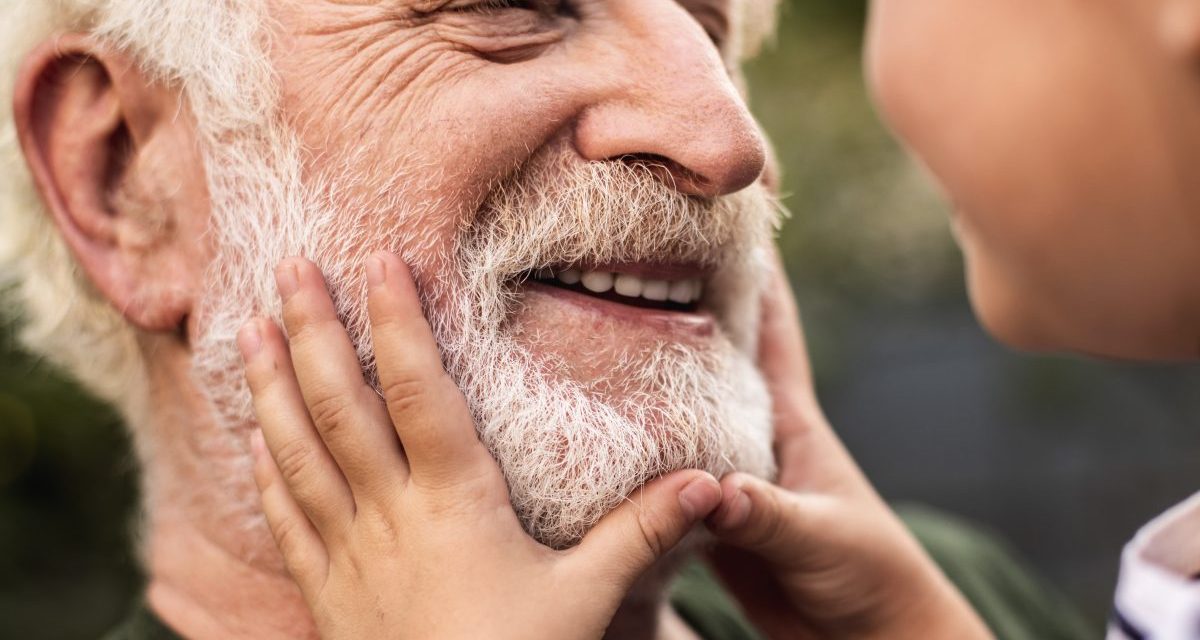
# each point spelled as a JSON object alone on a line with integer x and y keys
{"x": 591, "y": 407}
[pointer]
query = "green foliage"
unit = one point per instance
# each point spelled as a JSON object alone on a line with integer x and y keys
{"x": 66, "y": 499}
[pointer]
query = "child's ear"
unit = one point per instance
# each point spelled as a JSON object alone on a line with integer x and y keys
{"x": 1179, "y": 28}
{"x": 114, "y": 160}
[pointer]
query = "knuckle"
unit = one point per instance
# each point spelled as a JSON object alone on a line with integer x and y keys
{"x": 287, "y": 537}
{"x": 294, "y": 458}
{"x": 259, "y": 379}
{"x": 265, "y": 393}
{"x": 653, "y": 526}
{"x": 305, "y": 330}
{"x": 264, "y": 476}
{"x": 382, "y": 526}
{"x": 299, "y": 563}
{"x": 389, "y": 323}
{"x": 330, "y": 411}
{"x": 773, "y": 526}
{"x": 407, "y": 392}
{"x": 299, "y": 307}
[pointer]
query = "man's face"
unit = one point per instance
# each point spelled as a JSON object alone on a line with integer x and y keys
{"x": 575, "y": 186}
{"x": 1066, "y": 132}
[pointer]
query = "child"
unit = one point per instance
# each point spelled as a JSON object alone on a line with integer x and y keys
{"x": 1067, "y": 135}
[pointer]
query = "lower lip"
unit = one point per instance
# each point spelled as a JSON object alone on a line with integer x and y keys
{"x": 698, "y": 324}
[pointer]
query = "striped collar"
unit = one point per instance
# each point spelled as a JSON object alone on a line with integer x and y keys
{"x": 1158, "y": 595}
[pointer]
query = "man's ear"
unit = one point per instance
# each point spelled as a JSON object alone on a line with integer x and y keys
{"x": 115, "y": 161}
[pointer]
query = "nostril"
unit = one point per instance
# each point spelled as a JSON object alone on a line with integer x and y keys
{"x": 675, "y": 175}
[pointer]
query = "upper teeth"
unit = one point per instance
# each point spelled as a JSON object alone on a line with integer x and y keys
{"x": 684, "y": 291}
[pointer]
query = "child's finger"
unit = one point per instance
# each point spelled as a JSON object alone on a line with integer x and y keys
{"x": 782, "y": 353}
{"x": 303, "y": 551}
{"x": 805, "y": 445}
{"x": 427, "y": 408}
{"x": 307, "y": 469}
{"x": 649, "y": 524}
{"x": 345, "y": 410}
{"x": 758, "y": 516}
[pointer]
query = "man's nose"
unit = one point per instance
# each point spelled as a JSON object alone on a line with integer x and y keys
{"x": 672, "y": 106}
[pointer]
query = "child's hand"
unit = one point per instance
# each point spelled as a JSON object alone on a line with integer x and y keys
{"x": 390, "y": 514}
{"x": 821, "y": 555}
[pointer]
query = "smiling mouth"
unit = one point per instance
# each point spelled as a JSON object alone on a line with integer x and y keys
{"x": 666, "y": 288}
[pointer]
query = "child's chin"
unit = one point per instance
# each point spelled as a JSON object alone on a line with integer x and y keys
{"x": 1007, "y": 315}
{"x": 1014, "y": 334}
{"x": 1033, "y": 322}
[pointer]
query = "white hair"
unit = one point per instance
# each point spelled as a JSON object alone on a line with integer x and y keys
{"x": 212, "y": 50}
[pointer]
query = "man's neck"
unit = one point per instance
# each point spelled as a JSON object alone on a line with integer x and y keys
{"x": 201, "y": 590}
{"x": 213, "y": 571}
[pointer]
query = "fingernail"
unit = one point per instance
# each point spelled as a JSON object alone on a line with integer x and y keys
{"x": 738, "y": 512}
{"x": 287, "y": 279}
{"x": 376, "y": 271}
{"x": 700, "y": 497}
{"x": 257, "y": 445}
{"x": 250, "y": 340}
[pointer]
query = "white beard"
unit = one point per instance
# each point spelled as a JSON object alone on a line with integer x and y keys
{"x": 570, "y": 457}
{"x": 570, "y": 454}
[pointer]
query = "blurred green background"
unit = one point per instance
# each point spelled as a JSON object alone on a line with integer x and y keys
{"x": 1063, "y": 458}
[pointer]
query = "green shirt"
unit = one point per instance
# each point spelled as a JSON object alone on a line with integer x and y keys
{"x": 1013, "y": 602}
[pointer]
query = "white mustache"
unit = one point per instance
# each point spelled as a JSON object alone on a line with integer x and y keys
{"x": 556, "y": 211}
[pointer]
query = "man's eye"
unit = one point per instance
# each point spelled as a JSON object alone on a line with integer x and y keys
{"x": 430, "y": 7}
{"x": 546, "y": 8}
{"x": 497, "y": 5}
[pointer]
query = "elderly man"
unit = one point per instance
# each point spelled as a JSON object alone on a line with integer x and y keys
{"x": 507, "y": 150}
{"x": 575, "y": 184}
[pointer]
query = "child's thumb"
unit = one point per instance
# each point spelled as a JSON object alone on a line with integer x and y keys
{"x": 758, "y": 516}
{"x": 647, "y": 525}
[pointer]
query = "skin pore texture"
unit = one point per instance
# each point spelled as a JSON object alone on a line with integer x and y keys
{"x": 480, "y": 143}
{"x": 1067, "y": 135}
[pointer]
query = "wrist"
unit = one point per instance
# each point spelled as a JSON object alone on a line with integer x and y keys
{"x": 936, "y": 610}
